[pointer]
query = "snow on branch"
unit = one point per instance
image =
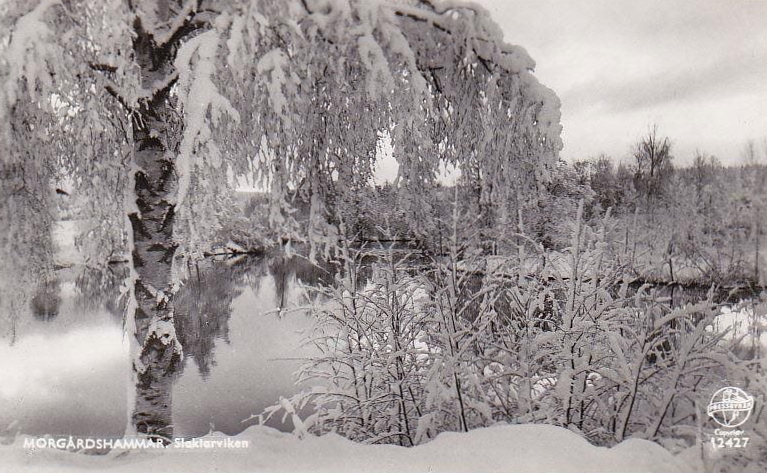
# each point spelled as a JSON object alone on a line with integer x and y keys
{"x": 195, "y": 63}
{"x": 548, "y": 116}
{"x": 380, "y": 82}
{"x": 166, "y": 27}
{"x": 176, "y": 23}
{"x": 235, "y": 43}
{"x": 245, "y": 32}
{"x": 28, "y": 54}
{"x": 486, "y": 36}
{"x": 275, "y": 63}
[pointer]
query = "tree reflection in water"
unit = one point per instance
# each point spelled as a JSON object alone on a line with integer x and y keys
{"x": 46, "y": 302}
{"x": 203, "y": 307}
{"x": 101, "y": 288}
{"x": 202, "y": 311}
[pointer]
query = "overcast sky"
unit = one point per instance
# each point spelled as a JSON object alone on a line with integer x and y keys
{"x": 696, "y": 68}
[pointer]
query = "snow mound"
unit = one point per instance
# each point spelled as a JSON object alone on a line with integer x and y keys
{"x": 509, "y": 448}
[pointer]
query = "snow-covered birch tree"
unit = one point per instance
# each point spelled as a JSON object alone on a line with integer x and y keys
{"x": 150, "y": 105}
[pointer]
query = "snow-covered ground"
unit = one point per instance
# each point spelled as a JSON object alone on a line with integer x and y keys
{"x": 509, "y": 448}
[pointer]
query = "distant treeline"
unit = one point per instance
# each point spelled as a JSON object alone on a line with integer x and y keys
{"x": 701, "y": 223}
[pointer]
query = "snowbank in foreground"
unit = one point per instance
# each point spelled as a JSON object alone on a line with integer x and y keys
{"x": 509, "y": 448}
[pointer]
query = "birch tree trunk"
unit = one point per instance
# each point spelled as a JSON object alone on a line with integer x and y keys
{"x": 157, "y": 128}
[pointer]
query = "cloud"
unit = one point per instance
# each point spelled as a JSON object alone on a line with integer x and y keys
{"x": 695, "y": 67}
{"x": 728, "y": 76}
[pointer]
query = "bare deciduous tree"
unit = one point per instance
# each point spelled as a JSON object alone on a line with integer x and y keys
{"x": 653, "y": 166}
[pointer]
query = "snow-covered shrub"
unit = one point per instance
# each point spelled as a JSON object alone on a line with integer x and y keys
{"x": 397, "y": 350}
{"x": 572, "y": 342}
{"x": 548, "y": 336}
{"x": 747, "y": 342}
{"x": 366, "y": 382}
{"x": 409, "y": 350}
{"x": 460, "y": 310}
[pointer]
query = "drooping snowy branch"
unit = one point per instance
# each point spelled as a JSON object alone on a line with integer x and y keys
{"x": 203, "y": 107}
{"x": 273, "y": 66}
{"x": 27, "y": 56}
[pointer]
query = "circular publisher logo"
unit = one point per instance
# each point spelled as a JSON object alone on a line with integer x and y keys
{"x": 730, "y": 407}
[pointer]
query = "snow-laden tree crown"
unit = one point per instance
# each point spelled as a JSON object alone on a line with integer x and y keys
{"x": 296, "y": 91}
{"x": 149, "y": 108}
